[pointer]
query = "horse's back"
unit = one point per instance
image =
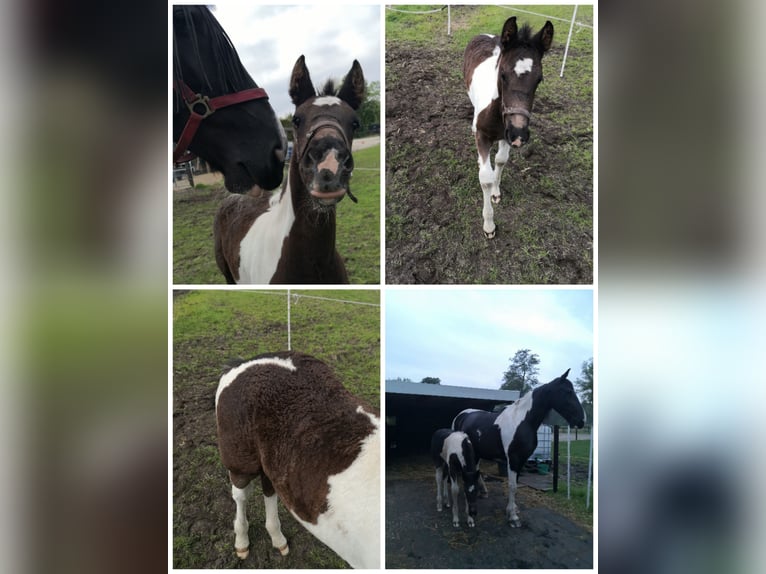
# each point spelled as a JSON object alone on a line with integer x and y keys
{"x": 478, "y": 49}
{"x": 482, "y": 431}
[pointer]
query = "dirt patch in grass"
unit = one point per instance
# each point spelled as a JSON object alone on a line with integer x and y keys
{"x": 433, "y": 198}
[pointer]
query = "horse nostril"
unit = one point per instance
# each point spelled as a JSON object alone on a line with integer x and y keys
{"x": 279, "y": 153}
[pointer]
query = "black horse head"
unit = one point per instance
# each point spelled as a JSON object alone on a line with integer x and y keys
{"x": 242, "y": 138}
{"x": 564, "y": 400}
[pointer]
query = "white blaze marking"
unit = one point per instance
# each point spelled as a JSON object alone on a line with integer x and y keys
{"x": 261, "y": 248}
{"x": 483, "y": 87}
{"x": 523, "y": 66}
{"x": 351, "y": 525}
{"x": 229, "y": 377}
{"x": 327, "y": 101}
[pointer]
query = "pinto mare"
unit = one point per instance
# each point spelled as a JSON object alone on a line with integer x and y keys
{"x": 501, "y": 75}
{"x": 286, "y": 418}
{"x": 289, "y": 237}
{"x": 511, "y": 435}
{"x": 219, "y": 113}
{"x": 453, "y": 457}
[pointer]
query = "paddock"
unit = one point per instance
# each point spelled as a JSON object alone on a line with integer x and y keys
{"x": 418, "y": 537}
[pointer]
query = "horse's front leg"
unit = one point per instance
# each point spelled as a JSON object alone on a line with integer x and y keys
{"x": 512, "y": 511}
{"x": 501, "y": 158}
{"x": 455, "y": 490}
{"x": 488, "y": 187}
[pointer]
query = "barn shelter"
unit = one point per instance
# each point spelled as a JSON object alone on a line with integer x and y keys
{"x": 415, "y": 410}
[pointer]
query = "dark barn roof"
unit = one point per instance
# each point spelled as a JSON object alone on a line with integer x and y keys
{"x": 415, "y": 410}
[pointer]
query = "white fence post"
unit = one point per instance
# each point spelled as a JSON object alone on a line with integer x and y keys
{"x": 289, "y": 328}
{"x": 569, "y": 39}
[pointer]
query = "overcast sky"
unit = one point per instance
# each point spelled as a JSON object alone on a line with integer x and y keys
{"x": 466, "y": 337}
{"x": 269, "y": 39}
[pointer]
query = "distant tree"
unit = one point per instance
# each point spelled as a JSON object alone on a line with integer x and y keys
{"x": 369, "y": 111}
{"x": 522, "y": 372}
{"x": 584, "y": 382}
{"x": 431, "y": 380}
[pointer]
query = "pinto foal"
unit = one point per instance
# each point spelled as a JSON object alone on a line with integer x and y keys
{"x": 286, "y": 418}
{"x": 453, "y": 456}
{"x": 501, "y": 75}
{"x": 289, "y": 237}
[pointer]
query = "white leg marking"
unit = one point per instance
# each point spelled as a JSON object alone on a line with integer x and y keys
{"x": 241, "y": 525}
{"x": 273, "y": 525}
{"x": 487, "y": 181}
{"x": 455, "y": 490}
{"x": 471, "y": 523}
{"x": 511, "y": 511}
{"x": 501, "y": 159}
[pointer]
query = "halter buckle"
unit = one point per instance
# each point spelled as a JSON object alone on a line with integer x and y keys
{"x": 200, "y": 100}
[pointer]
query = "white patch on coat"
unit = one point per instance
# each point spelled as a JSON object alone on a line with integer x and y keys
{"x": 523, "y": 65}
{"x": 483, "y": 88}
{"x": 453, "y": 444}
{"x": 232, "y": 375}
{"x": 464, "y": 411}
{"x": 511, "y": 417}
{"x": 351, "y": 524}
{"x": 261, "y": 247}
{"x": 327, "y": 101}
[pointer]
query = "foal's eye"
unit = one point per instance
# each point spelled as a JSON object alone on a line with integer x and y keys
{"x": 296, "y": 121}
{"x": 355, "y": 124}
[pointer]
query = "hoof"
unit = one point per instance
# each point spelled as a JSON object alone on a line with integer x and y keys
{"x": 438, "y": 509}
{"x": 483, "y": 495}
{"x": 471, "y": 524}
{"x": 456, "y": 524}
{"x": 495, "y": 199}
{"x": 284, "y": 550}
{"x": 491, "y": 234}
{"x": 514, "y": 523}
{"x": 242, "y": 553}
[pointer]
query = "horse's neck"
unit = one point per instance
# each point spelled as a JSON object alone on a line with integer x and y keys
{"x": 312, "y": 238}
{"x": 532, "y": 408}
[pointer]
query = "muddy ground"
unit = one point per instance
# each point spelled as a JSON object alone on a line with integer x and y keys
{"x": 417, "y": 536}
{"x": 433, "y": 198}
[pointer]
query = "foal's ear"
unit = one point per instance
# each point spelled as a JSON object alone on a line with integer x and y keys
{"x": 352, "y": 90}
{"x": 301, "y": 86}
{"x": 508, "y": 37}
{"x": 544, "y": 37}
{"x": 565, "y": 375}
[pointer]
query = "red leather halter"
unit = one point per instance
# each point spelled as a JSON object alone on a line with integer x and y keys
{"x": 201, "y": 107}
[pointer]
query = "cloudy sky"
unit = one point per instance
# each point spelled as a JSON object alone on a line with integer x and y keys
{"x": 466, "y": 337}
{"x": 269, "y": 39}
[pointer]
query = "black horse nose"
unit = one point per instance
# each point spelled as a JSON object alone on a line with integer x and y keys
{"x": 517, "y": 136}
{"x": 328, "y": 180}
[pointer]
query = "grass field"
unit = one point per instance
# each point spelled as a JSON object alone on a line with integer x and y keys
{"x": 212, "y": 326}
{"x": 358, "y": 225}
{"x": 433, "y": 197}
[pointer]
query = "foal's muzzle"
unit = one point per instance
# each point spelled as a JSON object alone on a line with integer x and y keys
{"x": 516, "y": 122}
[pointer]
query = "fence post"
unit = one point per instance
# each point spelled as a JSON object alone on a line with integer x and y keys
{"x": 569, "y": 39}
{"x": 289, "y": 328}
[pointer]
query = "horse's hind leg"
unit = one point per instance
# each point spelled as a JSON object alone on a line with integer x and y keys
{"x": 241, "y": 525}
{"x": 439, "y": 479}
{"x": 273, "y": 526}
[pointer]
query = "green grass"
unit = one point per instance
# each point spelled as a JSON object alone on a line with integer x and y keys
{"x": 574, "y": 507}
{"x": 358, "y": 235}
